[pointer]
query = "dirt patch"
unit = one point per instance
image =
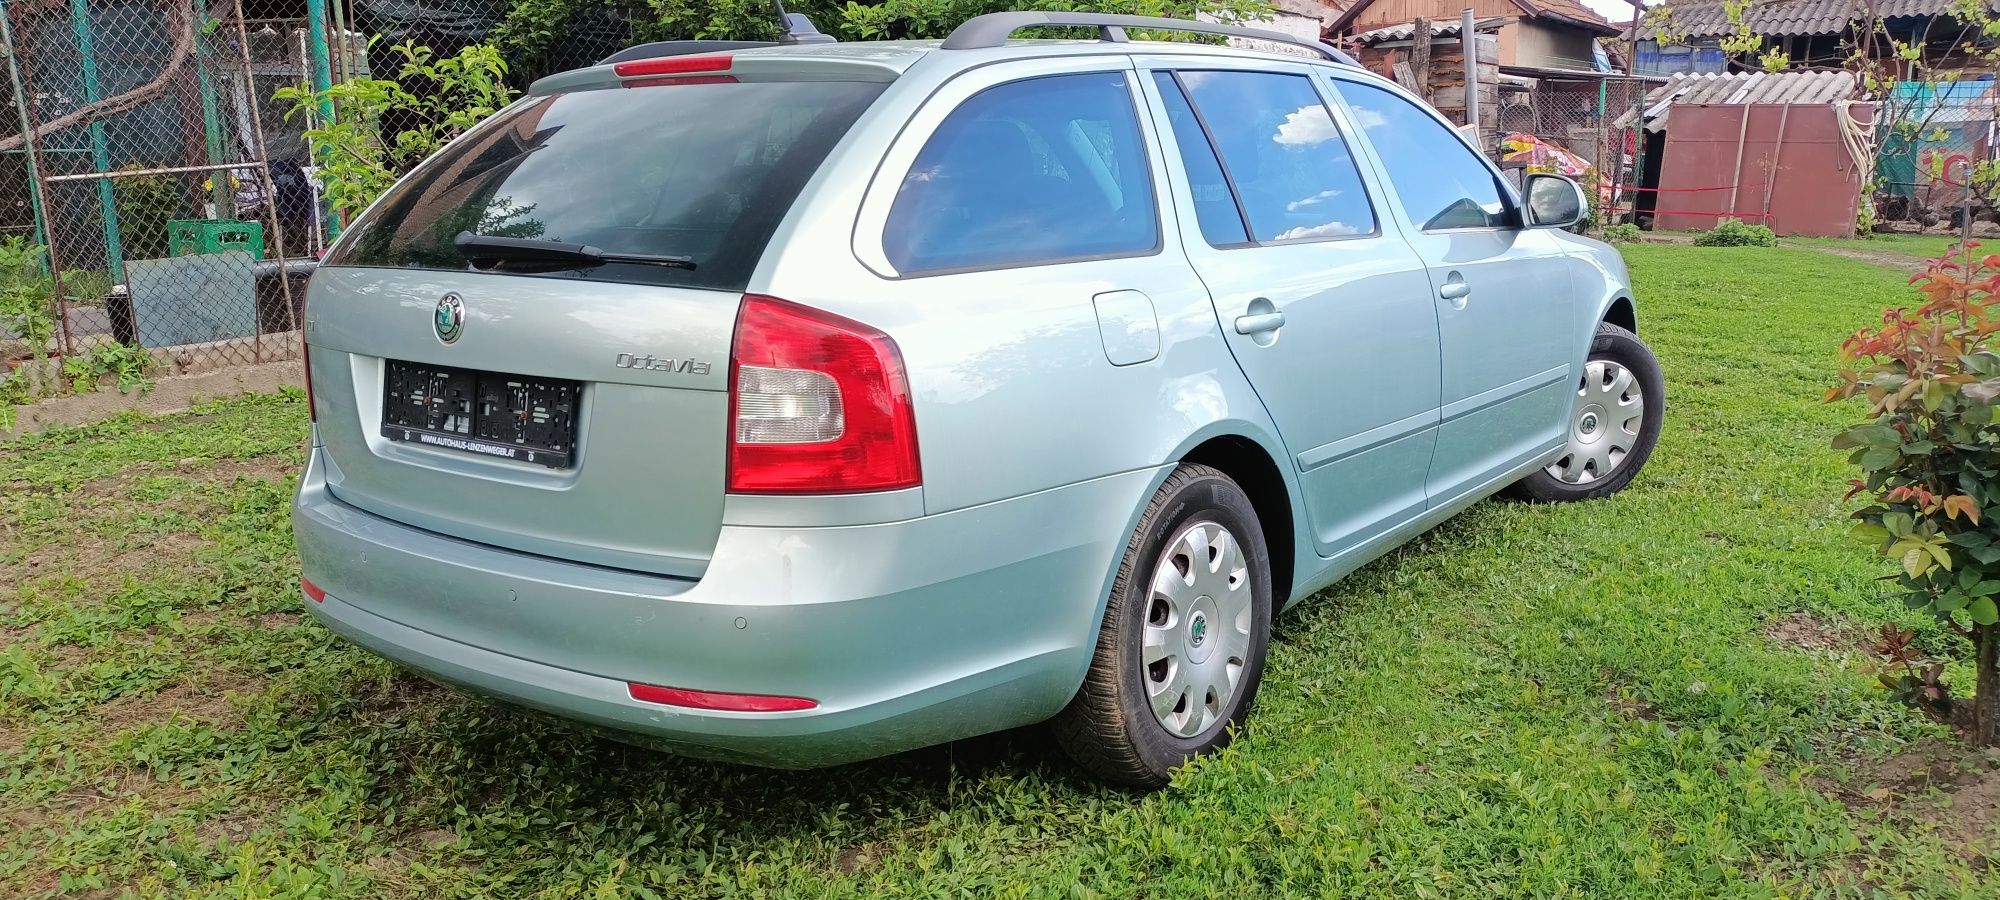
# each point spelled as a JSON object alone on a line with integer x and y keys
{"x": 207, "y": 702}
{"x": 1884, "y": 258}
{"x": 1630, "y": 705}
{"x": 275, "y": 621}
{"x": 275, "y": 467}
{"x": 1944, "y": 783}
{"x": 226, "y": 471}
{"x": 1805, "y": 631}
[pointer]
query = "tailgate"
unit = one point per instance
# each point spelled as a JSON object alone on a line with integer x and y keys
{"x": 641, "y": 487}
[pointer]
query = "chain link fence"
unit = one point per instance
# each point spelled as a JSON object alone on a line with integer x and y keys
{"x": 159, "y": 208}
{"x": 161, "y": 237}
{"x": 1567, "y": 124}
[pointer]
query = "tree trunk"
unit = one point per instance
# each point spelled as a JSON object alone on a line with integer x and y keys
{"x": 1986, "y": 691}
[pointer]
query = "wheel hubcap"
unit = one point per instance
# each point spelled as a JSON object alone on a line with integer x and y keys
{"x": 1604, "y": 423}
{"x": 1197, "y": 628}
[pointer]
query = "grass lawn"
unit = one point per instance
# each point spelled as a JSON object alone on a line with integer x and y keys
{"x": 1659, "y": 695}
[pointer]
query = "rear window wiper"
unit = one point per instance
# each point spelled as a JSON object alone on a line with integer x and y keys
{"x": 479, "y": 248}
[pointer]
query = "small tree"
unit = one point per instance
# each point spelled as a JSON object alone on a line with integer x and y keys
{"x": 383, "y": 127}
{"x": 1930, "y": 452}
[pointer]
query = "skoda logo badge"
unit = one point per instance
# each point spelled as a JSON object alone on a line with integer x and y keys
{"x": 450, "y": 317}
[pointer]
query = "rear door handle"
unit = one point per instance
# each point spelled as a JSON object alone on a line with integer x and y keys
{"x": 1455, "y": 290}
{"x": 1260, "y": 323}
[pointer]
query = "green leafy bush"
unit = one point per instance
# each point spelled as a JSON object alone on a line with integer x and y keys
{"x": 27, "y": 293}
{"x": 358, "y": 159}
{"x": 1733, "y": 233}
{"x": 1622, "y": 233}
{"x": 145, "y": 204}
{"x": 132, "y": 366}
{"x": 1930, "y": 456}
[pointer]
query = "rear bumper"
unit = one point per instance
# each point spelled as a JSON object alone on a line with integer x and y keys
{"x": 905, "y": 634}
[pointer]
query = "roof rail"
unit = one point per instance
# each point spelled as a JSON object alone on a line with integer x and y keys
{"x": 993, "y": 30}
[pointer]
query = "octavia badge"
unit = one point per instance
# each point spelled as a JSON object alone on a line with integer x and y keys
{"x": 449, "y": 318}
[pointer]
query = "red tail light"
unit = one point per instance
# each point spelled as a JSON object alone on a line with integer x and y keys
{"x": 712, "y": 700}
{"x": 818, "y": 404}
{"x": 312, "y": 590}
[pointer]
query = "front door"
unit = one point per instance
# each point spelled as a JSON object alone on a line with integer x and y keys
{"x": 1502, "y": 294}
{"x": 1325, "y": 306}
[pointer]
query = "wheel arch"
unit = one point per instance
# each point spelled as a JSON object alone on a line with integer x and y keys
{"x": 1252, "y": 467}
{"x": 1620, "y": 312}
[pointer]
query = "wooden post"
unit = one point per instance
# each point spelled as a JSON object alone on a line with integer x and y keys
{"x": 1420, "y": 57}
{"x": 1468, "y": 39}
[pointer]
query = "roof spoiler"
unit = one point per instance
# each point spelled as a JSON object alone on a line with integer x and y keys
{"x": 798, "y": 30}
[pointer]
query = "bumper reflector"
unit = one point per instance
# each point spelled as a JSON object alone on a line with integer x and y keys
{"x": 312, "y": 590}
{"x": 711, "y": 700}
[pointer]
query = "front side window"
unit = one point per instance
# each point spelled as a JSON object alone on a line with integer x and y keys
{"x": 1441, "y": 183}
{"x": 1294, "y": 177}
{"x": 1031, "y": 172}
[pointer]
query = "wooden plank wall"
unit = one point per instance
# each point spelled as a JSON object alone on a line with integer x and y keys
{"x": 1444, "y": 84}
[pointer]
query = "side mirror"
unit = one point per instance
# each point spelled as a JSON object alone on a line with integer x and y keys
{"x": 1554, "y": 201}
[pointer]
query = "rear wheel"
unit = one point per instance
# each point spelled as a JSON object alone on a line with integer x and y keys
{"x": 1614, "y": 421}
{"x": 1185, "y": 632}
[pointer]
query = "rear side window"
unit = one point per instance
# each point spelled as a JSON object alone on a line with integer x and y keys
{"x": 1294, "y": 175}
{"x": 1214, "y": 206}
{"x": 697, "y": 170}
{"x": 1441, "y": 183}
{"x": 1035, "y": 171}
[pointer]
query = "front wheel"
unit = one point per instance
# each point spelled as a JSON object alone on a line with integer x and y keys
{"x": 1614, "y": 421}
{"x": 1184, "y": 637}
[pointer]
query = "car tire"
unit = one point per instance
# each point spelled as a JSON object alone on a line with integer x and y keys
{"x": 1206, "y": 627}
{"x": 1605, "y": 450}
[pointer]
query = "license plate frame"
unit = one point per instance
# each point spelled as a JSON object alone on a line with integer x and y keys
{"x": 493, "y": 414}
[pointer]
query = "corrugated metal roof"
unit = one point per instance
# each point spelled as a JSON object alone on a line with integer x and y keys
{"x": 1407, "y": 30}
{"x": 1777, "y": 18}
{"x": 1573, "y": 10}
{"x": 1810, "y": 88}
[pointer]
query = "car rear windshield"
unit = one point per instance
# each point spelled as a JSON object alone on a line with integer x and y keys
{"x": 698, "y": 171}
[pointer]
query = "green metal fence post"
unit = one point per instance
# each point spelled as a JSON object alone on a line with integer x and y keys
{"x": 211, "y": 116}
{"x": 100, "y": 151}
{"x": 322, "y": 80}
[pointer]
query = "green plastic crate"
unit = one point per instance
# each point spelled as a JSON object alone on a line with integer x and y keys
{"x": 187, "y": 237}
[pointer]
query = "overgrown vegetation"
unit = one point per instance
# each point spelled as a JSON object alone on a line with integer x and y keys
{"x": 131, "y": 366}
{"x": 383, "y": 128}
{"x": 27, "y": 294}
{"x": 1734, "y": 233}
{"x": 1622, "y": 233}
{"x": 1658, "y": 695}
{"x": 145, "y": 203}
{"x": 1930, "y": 451}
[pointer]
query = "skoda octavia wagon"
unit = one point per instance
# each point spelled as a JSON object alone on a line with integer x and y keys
{"x": 806, "y": 403}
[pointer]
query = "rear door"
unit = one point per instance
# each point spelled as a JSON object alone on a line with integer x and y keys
{"x": 569, "y": 410}
{"x": 1502, "y": 293}
{"x": 1326, "y": 308}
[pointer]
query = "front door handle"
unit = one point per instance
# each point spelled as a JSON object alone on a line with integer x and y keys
{"x": 1260, "y": 323}
{"x": 1456, "y": 290}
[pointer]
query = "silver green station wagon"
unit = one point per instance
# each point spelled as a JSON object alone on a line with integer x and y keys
{"x": 802, "y": 403}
